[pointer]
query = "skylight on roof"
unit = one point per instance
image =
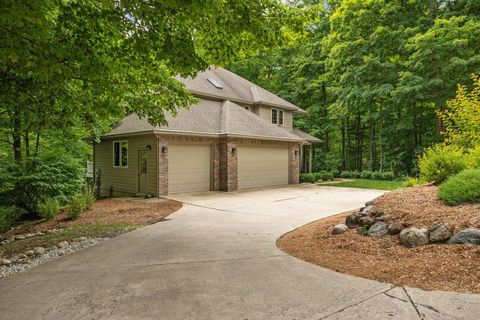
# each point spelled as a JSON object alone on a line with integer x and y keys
{"x": 215, "y": 83}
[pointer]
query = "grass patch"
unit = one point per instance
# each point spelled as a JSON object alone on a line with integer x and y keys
{"x": 96, "y": 230}
{"x": 367, "y": 184}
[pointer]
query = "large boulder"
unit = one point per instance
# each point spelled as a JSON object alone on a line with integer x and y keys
{"x": 351, "y": 220}
{"x": 367, "y": 211}
{"x": 395, "y": 228}
{"x": 414, "y": 237}
{"x": 339, "y": 228}
{"x": 365, "y": 221}
{"x": 467, "y": 236}
{"x": 378, "y": 229}
{"x": 439, "y": 233}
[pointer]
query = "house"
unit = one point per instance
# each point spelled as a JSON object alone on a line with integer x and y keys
{"x": 237, "y": 136}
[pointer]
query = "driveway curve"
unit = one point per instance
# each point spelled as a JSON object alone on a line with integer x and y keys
{"x": 216, "y": 258}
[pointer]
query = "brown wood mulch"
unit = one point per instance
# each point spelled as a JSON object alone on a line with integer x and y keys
{"x": 432, "y": 267}
{"x": 108, "y": 211}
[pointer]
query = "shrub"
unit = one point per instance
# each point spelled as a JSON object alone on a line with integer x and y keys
{"x": 7, "y": 217}
{"x": 89, "y": 196}
{"x": 317, "y": 176}
{"x": 388, "y": 176}
{"x": 440, "y": 162}
{"x": 48, "y": 209}
{"x": 36, "y": 180}
{"x": 473, "y": 158}
{"x": 463, "y": 187}
{"x": 377, "y": 175}
{"x": 77, "y": 206}
{"x": 328, "y": 176}
{"x": 367, "y": 174}
{"x": 307, "y": 177}
{"x": 411, "y": 182}
{"x": 356, "y": 174}
{"x": 346, "y": 174}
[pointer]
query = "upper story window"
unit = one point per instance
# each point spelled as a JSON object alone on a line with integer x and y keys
{"x": 120, "y": 154}
{"x": 277, "y": 116}
{"x": 215, "y": 83}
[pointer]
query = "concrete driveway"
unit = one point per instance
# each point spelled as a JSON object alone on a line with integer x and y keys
{"x": 216, "y": 259}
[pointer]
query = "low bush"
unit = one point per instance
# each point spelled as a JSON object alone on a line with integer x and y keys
{"x": 307, "y": 178}
{"x": 77, "y": 207}
{"x": 473, "y": 158}
{"x": 8, "y": 215}
{"x": 346, "y": 174}
{"x": 440, "y": 162}
{"x": 89, "y": 196}
{"x": 463, "y": 187}
{"x": 377, "y": 175}
{"x": 388, "y": 176}
{"x": 48, "y": 209}
{"x": 318, "y": 176}
{"x": 367, "y": 174}
{"x": 328, "y": 176}
{"x": 412, "y": 182}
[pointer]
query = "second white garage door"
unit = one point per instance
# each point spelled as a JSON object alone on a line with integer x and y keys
{"x": 189, "y": 168}
{"x": 260, "y": 166}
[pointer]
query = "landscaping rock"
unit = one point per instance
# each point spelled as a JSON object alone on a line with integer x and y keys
{"x": 5, "y": 262}
{"x": 62, "y": 244}
{"x": 339, "y": 228}
{"x": 362, "y": 230}
{"x": 383, "y": 217}
{"x": 367, "y": 211}
{"x": 439, "y": 233}
{"x": 395, "y": 228}
{"x": 467, "y": 236}
{"x": 29, "y": 253}
{"x": 370, "y": 203}
{"x": 378, "y": 229}
{"x": 366, "y": 221}
{"x": 39, "y": 251}
{"x": 19, "y": 237}
{"x": 414, "y": 237}
{"x": 351, "y": 220}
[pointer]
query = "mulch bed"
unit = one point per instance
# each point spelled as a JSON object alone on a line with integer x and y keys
{"x": 432, "y": 267}
{"x": 108, "y": 211}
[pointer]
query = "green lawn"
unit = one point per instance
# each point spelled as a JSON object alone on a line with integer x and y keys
{"x": 367, "y": 184}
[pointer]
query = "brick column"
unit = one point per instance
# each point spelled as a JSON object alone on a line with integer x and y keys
{"x": 162, "y": 153}
{"x": 228, "y": 165}
{"x": 294, "y": 163}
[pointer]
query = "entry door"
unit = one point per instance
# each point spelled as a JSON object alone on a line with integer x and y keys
{"x": 142, "y": 171}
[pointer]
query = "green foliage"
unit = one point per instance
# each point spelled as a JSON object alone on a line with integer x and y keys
{"x": 440, "y": 162}
{"x": 318, "y": 176}
{"x": 412, "y": 182}
{"x": 388, "y": 176}
{"x": 461, "y": 118}
{"x": 7, "y": 217}
{"x": 89, "y": 196}
{"x": 368, "y": 184}
{"x": 463, "y": 187}
{"x": 307, "y": 178}
{"x": 366, "y": 174}
{"x": 37, "y": 180}
{"x": 473, "y": 158}
{"x": 48, "y": 209}
{"x": 77, "y": 207}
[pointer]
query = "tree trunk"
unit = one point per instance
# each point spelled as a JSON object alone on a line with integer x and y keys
{"x": 381, "y": 137}
{"x": 17, "y": 136}
{"x": 26, "y": 138}
{"x": 37, "y": 143}
{"x": 344, "y": 148}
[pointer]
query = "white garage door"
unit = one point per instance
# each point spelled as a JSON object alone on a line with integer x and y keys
{"x": 260, "y": 166}
{"x": 189, "y": 168}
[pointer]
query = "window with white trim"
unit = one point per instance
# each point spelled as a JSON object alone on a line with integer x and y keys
{"x": 277, "y": 116}
{"x": 120, "y": 154}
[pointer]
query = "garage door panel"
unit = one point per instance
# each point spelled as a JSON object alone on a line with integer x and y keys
{"x": 260, "y": 166}
{"x": 189, "y": 168}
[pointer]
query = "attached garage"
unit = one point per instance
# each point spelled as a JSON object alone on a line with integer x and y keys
{"x": 189, "y": 168}
{"x": 261, "y": 166}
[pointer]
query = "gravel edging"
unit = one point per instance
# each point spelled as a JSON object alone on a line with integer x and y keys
{"x": 21, "y": 263}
